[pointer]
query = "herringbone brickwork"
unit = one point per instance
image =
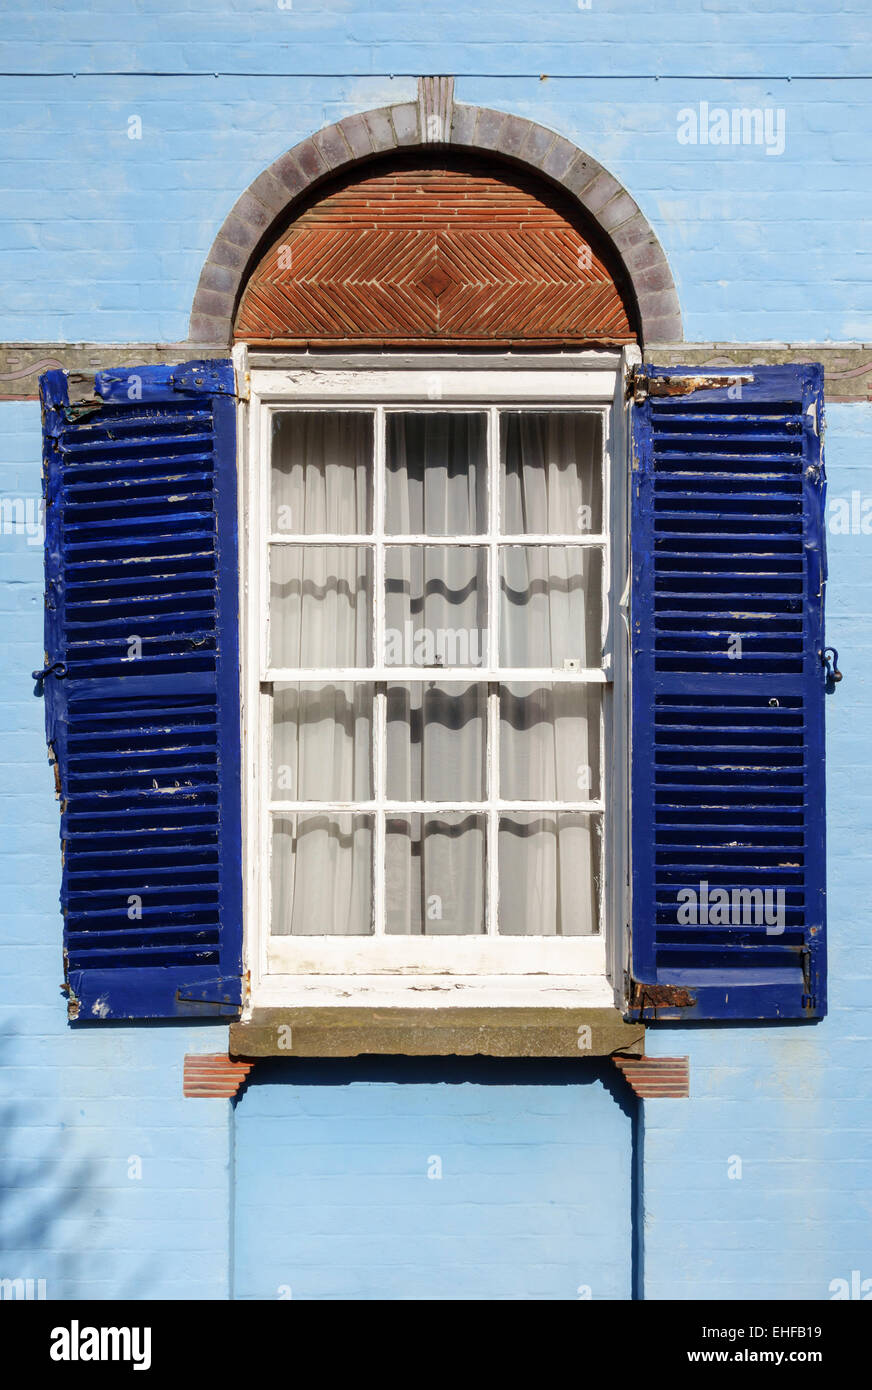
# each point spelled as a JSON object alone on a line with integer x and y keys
{"x": 462, "y": 257}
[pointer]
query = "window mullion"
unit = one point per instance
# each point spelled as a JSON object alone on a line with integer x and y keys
{"x": 609, "y": 609}
{"x": 380, "y": 693}
{"x": 493, "y": 696}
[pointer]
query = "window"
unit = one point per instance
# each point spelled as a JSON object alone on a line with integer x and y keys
{"x": 429, "y": 610}
{"x": 433, "y": 776}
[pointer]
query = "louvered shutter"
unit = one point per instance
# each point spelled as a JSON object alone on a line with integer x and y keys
{"x": 142, "y": 687}
{"x": 727, "y": 787}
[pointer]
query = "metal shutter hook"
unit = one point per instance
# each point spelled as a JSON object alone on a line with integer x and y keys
{"x": 57, "y": 668}
{"x": 830, "y": 659}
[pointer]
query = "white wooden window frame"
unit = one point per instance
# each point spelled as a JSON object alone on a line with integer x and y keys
{"x": 382, "y": 968}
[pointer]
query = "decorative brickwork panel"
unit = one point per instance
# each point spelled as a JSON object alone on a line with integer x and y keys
{"x": 213, "y": 1076}
{"x": 657, "y": 1078}
{"x": 434, "y": 254}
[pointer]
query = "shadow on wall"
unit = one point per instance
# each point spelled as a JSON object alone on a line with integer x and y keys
{"x": 447, "y": 1071}
{"x": 41, "y": 1194}
{"x": 54, "y": 1207}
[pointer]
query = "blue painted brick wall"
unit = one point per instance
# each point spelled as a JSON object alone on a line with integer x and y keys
{"x": 77, "y": 1109}
{"x": 791, "y": 1103}
{"x": 444, "y": 1179}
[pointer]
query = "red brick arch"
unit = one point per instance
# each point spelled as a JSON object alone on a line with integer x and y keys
{"x": 445, "y": 250}
{"x": 627, "y": 265}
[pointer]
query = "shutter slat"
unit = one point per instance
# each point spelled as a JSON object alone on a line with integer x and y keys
{"x": 727, "y": 777}
{"x": 141, "y": 543}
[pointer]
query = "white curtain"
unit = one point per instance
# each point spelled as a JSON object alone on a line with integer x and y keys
{"x": 551, "y": 473}
{"x": 321, "y": 473}
{"x": 436, "y": 604}
{"x": 550, "y": 609}
{"x": 436, "y": 483}
{"x": 320, "y": 616}
{"x": 549, "y": 872}
{"x": 322, "y": 875}
{"x": 436, "y": 749}
{"x": 436, "y": 615}
{"x": 550, "y": 614}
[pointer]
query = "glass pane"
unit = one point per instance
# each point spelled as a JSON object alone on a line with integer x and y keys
{"x": 435, "y": 873}
{"x": 549, "y": 742}
{"x": 322, "y": 875}
{"x": 436, "y": 740}
{"x": 436, "y": 483}
{"x": 320, "y": 605}
{"x": 549, "y": 873}
{"x": 322, "y": 466}
{"x": 322, "y": 742}
{"x": 436, "y": 605}
{"x": 550, "y": 606}
{"x": 551, "y": 473}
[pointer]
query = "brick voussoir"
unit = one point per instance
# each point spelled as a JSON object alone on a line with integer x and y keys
{"x": 599, "y": 192}
{"x": 218, "y": 277}
{"x": 356, "y": 134}
{"x": 203, "y": 329}
{"x": 381, "y": 130}
{"x": 489, "y": 128}
{"x": 332, "y": 146}
{"x": 514, "y": 134}
{"x": 582, "y": 172}
{"x": 310, "y": 159}
{"x": 618, "y": 211}
{"x": 559, "y": 158}
{"x": 270, "y": 192}
{"x": 537, "y": 144}
{"x": 666, "y": 329}
{"x": 405, "y": 122}
{"x": 462, "y": 130}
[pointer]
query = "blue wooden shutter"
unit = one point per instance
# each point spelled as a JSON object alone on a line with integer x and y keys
{"x": 728, "y": 749}
{"x": 142, "y": 686}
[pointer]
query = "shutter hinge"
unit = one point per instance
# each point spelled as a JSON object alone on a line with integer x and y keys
{"x": 200, "y": 378}
{"x": 644, "y": 997}
{"x": 640, "y": 386}
{"x": 808, "y": 999}
{"x": 222, "y": 995}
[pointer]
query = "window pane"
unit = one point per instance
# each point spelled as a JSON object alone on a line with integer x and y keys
{"x": 320, "y": 605}
{"x": 322, "y": 875}
{"x": 435, "y": 871}
{"x": 436, "y": 606}
{"x": 322, "y": 465}
{"x": 550, "y": 606}
{"x": 436, "y": 482}
{"x": 551, "y": 473}
{"x": 549, "y": 874}
{"x": 322, "y": 742}
{"x": 436, "y": 739}
{"x": 549, "y": 742}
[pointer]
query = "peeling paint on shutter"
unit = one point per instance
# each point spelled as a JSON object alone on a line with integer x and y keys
{"x": 142, "y": 712}
{"x": 728, "y": 698}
